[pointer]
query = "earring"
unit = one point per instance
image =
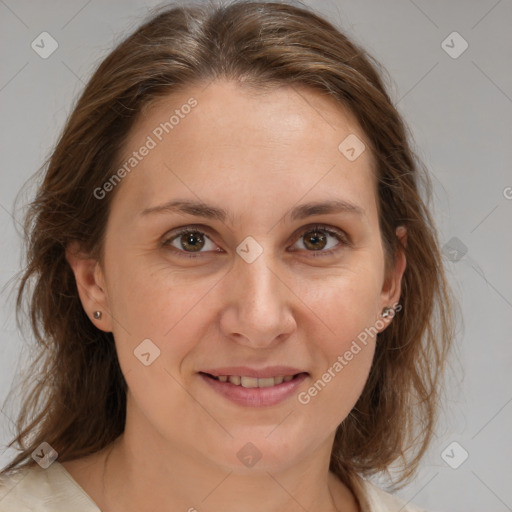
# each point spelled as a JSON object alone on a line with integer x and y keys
{"x": 97, "y": 315}
{"x": 387, "y": 312}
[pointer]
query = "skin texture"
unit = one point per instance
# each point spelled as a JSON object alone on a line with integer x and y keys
{"x": 258, "y": 154}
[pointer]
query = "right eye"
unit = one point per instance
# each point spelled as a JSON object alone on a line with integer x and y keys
{"x": 189, "y": 242}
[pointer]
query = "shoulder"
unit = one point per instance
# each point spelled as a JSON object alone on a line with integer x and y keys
{"x": 45, "y": 490}
{"x": 375, "y": 499}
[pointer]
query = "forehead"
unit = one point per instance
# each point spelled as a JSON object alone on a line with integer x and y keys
{"x": 247, "y": 147}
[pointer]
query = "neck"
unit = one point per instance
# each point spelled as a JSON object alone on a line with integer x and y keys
{"x": 142, "y": 476}
{"x": 144, "y": 471}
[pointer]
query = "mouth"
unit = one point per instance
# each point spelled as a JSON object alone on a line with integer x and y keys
{"x": 269, "y": 387}
{"x": 248, "y": 382}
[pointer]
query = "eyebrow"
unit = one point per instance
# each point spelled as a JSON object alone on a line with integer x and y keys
{"x": 199, "y": 209}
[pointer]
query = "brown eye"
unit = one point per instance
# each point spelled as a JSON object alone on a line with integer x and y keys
{"x": 323, "y": 240}
{"x": 192, "y": 241}
{"x": 189, "y": 241}
{"x": 315, "y": 240}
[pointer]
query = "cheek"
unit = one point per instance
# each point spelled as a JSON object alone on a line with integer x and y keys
{"x": 346, "y": 305}
{"x": 333, "y": 393}
{"x": 150, "y": 301}
{"x": 146, "y": 297}
{"x": 151, "y": 307}
{"x": 346, "y": 302}
{"x": 343, "y": 357}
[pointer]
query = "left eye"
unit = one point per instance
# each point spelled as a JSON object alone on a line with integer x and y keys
{"x": 314, "y": 239}
{"x": 317, "y": 239}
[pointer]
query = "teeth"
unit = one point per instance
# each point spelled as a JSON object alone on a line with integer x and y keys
{"x": 249, "y": 382}
{"x": 254, "y": 382}
{"x": 266, "y": 383}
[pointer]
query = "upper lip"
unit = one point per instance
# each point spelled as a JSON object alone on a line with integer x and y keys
{"x": 260, "y": 373}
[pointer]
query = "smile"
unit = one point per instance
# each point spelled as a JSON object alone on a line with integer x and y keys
{"x": 252, "y": 391}
{"x": 253, "y": 382}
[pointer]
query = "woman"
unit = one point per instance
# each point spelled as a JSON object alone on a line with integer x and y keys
{"x": 237, "y": 286}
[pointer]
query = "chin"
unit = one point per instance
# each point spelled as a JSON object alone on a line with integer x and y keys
{"x": 259, "y": 452}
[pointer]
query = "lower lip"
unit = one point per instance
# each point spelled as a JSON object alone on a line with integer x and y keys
{"x": 255, "y": 397}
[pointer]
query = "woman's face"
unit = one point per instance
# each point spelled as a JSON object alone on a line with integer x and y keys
{"x": 265, "y": 285}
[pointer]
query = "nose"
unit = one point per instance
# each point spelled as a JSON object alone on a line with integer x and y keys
{"x": 258, "y": 305}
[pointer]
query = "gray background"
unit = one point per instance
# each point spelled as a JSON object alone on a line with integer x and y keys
{"x": 459, "y": 110}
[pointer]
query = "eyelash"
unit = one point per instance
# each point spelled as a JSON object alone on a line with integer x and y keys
{"x": 338, "y": 234}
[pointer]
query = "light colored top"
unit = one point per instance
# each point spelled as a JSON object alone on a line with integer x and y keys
{"x": 54, "y": 490}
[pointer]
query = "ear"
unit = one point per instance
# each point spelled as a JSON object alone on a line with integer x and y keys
{"x": 391, "y": 289}
{"x": 91, "y": 286}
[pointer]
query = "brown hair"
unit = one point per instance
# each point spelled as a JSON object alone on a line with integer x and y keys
{"x": 77, "y": 399}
